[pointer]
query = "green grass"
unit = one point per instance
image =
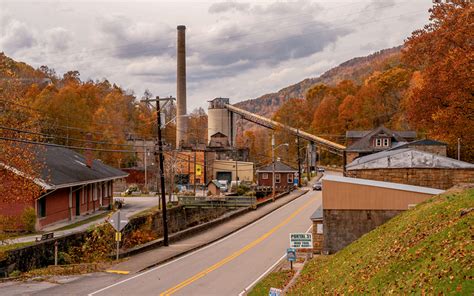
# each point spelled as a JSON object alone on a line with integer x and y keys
{"x": 277, "y": 279}
{"x": 82, "y": 222}
{"x": 427, "y": 249}
{"x": 8, "y": 247}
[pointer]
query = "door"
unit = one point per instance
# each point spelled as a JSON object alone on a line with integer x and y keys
{"x": 224, "y": 176}
{"x": 78, "y": 202}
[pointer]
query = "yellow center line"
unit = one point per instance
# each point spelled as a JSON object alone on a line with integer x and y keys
{"x": 235, "y": 254}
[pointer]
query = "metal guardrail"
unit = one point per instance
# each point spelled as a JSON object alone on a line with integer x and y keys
{"x": 218, "y": 202}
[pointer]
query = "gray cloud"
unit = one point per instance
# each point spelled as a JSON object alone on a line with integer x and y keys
{"x": 265, "y": 36}
{"x": 228, "y": 6}
{"x": 134, "y": 39}
{"x": 58, "y": 39}
{"x": 14, "y": 35}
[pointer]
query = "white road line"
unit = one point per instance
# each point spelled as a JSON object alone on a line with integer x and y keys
{"x": 194, "y": 252}
{"x": 266, "y": 272}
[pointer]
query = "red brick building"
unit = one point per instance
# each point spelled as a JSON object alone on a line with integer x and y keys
{"x": 71, "y": 186}
{"x": 284, "y": 176}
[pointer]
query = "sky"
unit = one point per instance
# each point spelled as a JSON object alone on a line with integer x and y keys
{"x": 235, "y": 49}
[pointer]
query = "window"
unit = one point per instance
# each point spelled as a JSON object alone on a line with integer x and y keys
{"x": 378, "y": 142}
{"x": 83, "y": 195}
{"x": 386, "y": 142}
{"x": 265, "y": 176}
{"x": 277, "y": 178}
{"x": 290, "y": 178}
{"x": 42, "y": 207}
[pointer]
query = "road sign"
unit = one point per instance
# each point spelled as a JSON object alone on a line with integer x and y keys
{"x": 301, "y": 240}
{"x": 291, "y": 254}
{"x": 118, "y": 222}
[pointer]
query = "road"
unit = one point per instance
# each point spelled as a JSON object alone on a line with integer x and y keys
{"x": 228, "y": 266}
{"x": 225, "y": 267}
{"x": 135, "y": 204}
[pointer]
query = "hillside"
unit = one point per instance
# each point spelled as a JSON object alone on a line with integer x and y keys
{"x": 426, "y": 250}
{"x": 354, "y": 69}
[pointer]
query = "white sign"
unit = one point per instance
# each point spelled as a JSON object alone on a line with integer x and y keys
{"x": 319, "y": 228}
{"x": 118, "y": 222}
{"x": 275, "y": 292}
{"x": 301, "y": 240}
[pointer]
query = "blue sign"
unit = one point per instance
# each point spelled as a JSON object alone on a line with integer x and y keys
{"x": 291, "y": 254}
{"x": 275, "y": 292}
{"x": 295, "y": 181}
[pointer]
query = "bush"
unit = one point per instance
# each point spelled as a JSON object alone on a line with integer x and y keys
{"x": 242, "y": 189}
{"x": 28, "y": 218}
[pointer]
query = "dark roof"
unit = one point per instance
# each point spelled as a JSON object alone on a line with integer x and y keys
{"x": 356, "y": 134}
{"x": 279, "y": 167}
{"x": 365, "y": 144}
{"x": 62, "y": 167}
{"x": 318, "y": 214}
{"x": 424, "y": 142}
{"x": 216, "y": 183}
{"x": 218, "y": 135}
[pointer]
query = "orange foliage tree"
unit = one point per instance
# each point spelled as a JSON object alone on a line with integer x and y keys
{"x": 442, "y": 103}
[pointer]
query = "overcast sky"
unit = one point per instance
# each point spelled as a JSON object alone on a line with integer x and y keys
{"x": 235, "y": 49}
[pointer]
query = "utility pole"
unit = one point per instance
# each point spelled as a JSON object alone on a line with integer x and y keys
{"x": 146, "y": 179}
{"x": 273, "y": 167}
{"x": 161, "y": 160}
{"x": 459, "y": 148}
{"x": 194, "y": 175}
{"x": 299, "y": 159}
{"x": 308, "y": 170}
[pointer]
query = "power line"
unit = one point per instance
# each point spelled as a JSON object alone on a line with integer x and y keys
{"x": 65, "y": 146}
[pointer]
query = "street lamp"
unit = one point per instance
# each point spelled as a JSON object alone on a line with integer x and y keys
{"x": 273, "y": 161}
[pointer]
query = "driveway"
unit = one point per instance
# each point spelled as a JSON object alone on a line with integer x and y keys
{"x": 135, "y": 204}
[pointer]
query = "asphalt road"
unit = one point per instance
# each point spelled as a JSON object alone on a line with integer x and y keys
{"x": 227, "y": 266}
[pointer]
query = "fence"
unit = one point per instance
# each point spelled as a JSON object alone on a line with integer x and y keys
{"x": 218, "y": 202}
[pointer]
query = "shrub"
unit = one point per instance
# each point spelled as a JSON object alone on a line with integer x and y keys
{"x": 242, "y": 189}
{"x": 28, "y": 218}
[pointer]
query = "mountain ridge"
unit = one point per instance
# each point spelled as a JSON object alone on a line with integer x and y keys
{"x": 354, "y": 69}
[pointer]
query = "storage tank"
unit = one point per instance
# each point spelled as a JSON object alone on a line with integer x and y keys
{"x": 219, "y": 119}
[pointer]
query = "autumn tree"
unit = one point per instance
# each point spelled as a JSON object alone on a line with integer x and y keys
{"x": 443, "y": 52}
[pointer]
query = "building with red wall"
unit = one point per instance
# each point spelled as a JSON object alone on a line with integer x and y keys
{"x": 71, "y": 186}
{"x": 284, "y": 176}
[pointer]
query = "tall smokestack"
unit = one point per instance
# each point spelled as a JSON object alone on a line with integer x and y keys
{"x": 181, "y": 122}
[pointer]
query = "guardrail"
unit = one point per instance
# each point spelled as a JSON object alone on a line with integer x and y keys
{"x": 218, "y": 202}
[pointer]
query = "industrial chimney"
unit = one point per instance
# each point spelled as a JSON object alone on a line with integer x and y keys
{"x": 181, "y": 120}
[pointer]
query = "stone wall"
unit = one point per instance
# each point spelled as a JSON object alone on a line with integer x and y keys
{"x": 179, "y": 218}
{"x": 342, "y": 227}
{"x": 318, "y": 238}
{"x": 427, "y": 177}
{"x": 41, "y": 254}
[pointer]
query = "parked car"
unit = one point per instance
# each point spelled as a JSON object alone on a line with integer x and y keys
{"x": 318, "y": 186}
{"x": 321, "y": 170}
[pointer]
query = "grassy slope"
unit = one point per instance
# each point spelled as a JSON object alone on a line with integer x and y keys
{"x": 425, "y": 250}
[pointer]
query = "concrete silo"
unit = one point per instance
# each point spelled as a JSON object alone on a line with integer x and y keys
{"x": 220, "y": 120}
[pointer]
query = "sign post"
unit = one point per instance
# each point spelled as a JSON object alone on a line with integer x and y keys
{"x": 291, "y": 256}
{"x": 118, "y": 224}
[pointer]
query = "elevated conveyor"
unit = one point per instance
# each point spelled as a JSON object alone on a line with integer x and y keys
{"x": 271, "y": 124}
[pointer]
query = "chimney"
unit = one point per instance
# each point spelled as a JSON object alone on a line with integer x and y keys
{"x": 88, "y": 153}
{"x": 181, "y": 121}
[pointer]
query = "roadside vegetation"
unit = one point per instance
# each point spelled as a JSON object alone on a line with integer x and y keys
{"x": 278, "y": 279}
{"x": 426, "y": 250}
